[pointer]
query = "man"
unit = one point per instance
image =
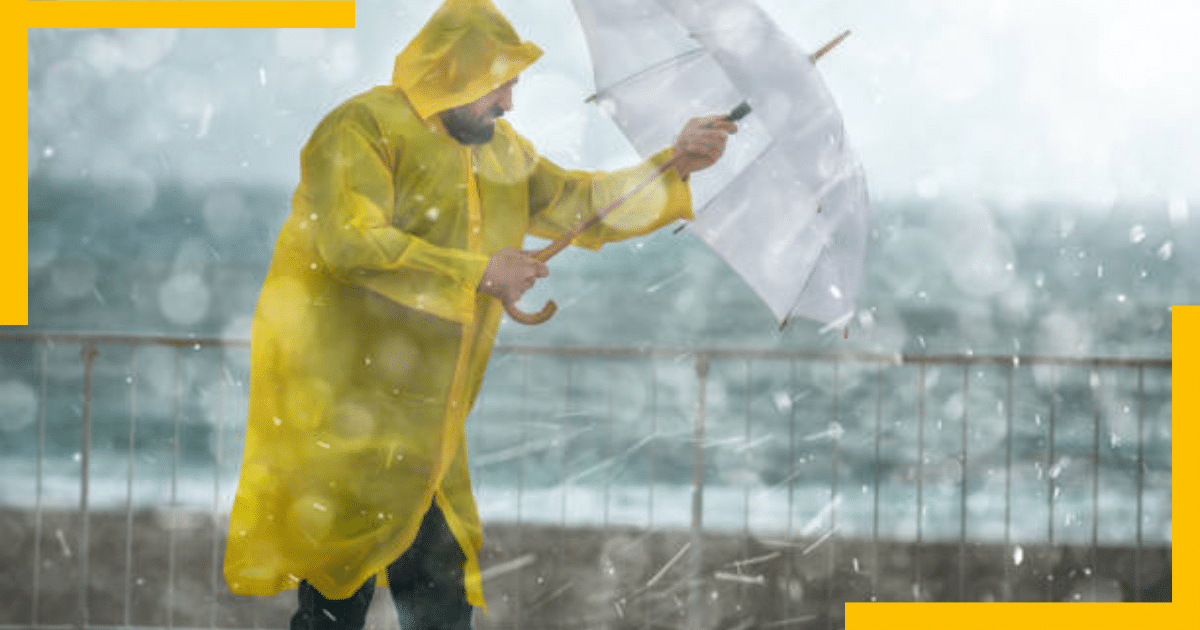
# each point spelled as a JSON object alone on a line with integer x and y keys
{"x": 378, "y": 315}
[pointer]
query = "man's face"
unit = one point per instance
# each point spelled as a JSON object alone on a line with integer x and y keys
{"x": 475, "y": 123}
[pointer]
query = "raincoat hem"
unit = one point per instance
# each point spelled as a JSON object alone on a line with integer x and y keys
{"x": 472, "y": 579}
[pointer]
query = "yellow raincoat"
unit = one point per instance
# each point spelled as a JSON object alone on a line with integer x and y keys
{"x": 370, "y": 339}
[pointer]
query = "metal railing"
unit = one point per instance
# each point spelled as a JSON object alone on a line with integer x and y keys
{"x": 693, "y": 428}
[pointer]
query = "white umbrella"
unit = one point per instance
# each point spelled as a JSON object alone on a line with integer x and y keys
{"x": 787, "y": 206}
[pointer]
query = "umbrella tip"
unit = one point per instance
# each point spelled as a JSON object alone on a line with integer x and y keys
{"x": 828, "y": 47}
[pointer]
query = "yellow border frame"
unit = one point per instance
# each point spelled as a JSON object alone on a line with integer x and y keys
{"x": 189, "y": 13}
{"x": 1183, "y": 612}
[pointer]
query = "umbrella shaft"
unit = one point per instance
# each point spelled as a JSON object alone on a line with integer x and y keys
{"x": 561, "y": 242}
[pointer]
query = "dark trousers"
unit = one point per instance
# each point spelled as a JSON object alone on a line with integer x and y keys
{"x": 426, "y": 583}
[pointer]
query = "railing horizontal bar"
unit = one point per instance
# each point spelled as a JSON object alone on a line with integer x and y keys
{"x": 660, "y": 352}
{"x": 656, "y": 352}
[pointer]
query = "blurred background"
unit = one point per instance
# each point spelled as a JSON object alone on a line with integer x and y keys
{"x": 1005, "y": 385}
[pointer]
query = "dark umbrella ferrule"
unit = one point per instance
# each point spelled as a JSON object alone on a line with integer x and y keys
{"x": 739, "y": 112}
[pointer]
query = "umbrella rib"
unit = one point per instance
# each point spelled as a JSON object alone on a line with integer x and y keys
{"x": 755, "y": 161}
{"x": 654, "y": 68}
{"x": 740, "y": 174}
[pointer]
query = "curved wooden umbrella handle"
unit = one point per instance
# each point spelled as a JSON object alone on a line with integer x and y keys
{"x": 531, "y": 319}
{"x": 548, "y": 311}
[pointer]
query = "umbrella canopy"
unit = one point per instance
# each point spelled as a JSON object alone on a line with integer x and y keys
{"x": 787, "y": 206}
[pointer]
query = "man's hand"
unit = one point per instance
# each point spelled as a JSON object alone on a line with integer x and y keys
{"x": 702, "y": 142}
{"x": 510, "y": 273}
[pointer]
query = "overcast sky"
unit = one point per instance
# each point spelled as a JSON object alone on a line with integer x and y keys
{"x": 1084, "y": 101}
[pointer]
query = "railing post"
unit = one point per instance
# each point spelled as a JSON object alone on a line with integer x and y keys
{"x": 695, "y": 583}
{"x": 43, "y": 361}
{"x": 88, "y": 353}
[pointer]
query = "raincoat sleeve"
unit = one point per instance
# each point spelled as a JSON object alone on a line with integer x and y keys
{"x": 560, "y": 199}
{"x": 347, "y": 171}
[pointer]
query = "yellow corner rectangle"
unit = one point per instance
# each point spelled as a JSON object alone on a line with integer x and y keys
{"x": 194, "y": 14}
{"x": 1184, "y": 609}
{"x": 14, "y": 226}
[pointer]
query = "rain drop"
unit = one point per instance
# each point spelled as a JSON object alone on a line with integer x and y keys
{"x": 783, "y": 402}
{"x": 608, "y": 107}
{"x": 1137, "y": 234}
{"x": 1058, "y": 467}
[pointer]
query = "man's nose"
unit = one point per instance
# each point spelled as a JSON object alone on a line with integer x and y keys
{"x": 506, "y": 98}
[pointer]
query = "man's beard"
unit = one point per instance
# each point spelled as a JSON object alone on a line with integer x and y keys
{"x": 468, "y": 129}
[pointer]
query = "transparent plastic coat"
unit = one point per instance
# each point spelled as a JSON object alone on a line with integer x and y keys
{"x": 370, "y": 340}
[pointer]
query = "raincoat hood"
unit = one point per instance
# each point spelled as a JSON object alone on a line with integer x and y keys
{"x": 467, "y": 49}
